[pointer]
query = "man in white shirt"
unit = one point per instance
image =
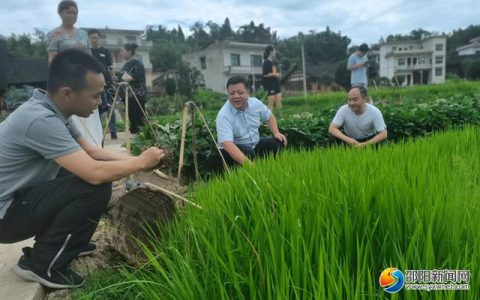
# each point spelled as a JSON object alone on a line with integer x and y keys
{"x": 238, "y": 122}
{"x": 362, "y": 122}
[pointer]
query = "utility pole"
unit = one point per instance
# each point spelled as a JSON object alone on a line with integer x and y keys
{"x": 303, "y": 71}
{"x": 253, "y": 71}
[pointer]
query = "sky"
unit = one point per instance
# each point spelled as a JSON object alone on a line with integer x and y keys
{"x": 361, "y": 20}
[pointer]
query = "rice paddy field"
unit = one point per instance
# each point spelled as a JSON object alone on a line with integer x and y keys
{"x": 320, "y": 224}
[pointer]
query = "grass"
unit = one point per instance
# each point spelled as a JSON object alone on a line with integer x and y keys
{"x": 324, "y": 225}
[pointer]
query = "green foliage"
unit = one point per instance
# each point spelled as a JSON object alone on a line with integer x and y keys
{"x": 342, "y": 75}
{"x": 471, "y": 69}
{"x": 27, "y": 46}
{"x": 324, "y": 225}
{"x": 109, "y": 284}
{"x": 461, "y": 37}
{"x": 168, "y": 105}
{"x": 415, "y": 34}
{"x": 325, "y": 46}
{"x": 16, "y": 95}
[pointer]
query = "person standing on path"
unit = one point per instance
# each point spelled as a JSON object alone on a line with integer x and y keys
{"x": 67, "y": 36}
{"x": 357, "y": 65}
{"x": 271, "y": 80}
{"x": 105, "y": 58}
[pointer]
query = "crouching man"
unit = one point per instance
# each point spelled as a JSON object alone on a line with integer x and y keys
{"x": 61, "y": 212}
{"x": 238, "y": 122}
{"x": 362, "y": 122}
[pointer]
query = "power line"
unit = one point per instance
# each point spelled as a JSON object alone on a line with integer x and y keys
{"x": 389, "y": 9}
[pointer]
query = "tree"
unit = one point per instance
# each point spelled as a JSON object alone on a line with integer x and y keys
{"x": 189, "y": 79}
{"x": 342, "y": 75}
{"x": 325, "y": 46}
{"x": 27, "y": 46}
{"x": 180, "y": 35}
{"x": 226, "y": 32}
{"x": 199, "y": 38}
{"x": 250, "y": 33}
{"x": 471, "y": 68}
{"x": 214, "y": 30}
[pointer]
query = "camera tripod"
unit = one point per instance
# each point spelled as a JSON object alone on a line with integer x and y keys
{"x": 127, "y": 89}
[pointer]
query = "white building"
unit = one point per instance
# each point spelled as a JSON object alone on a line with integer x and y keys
{"x": 221, "y": 60}
{"x": 471, "y": 49}
{"x": 114, "y": 39}
{"x": 414, "y": 62}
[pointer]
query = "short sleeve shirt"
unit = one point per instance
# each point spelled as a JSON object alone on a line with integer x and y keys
{"x": 30, "y": 139}
{"x": 360, "y": 126}
{"x": 57, "y": 40}
{"x": 241, "y": 127}
{"x": 359, "y": 75}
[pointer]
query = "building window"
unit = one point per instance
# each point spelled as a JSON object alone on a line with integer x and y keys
{"x": 410, "y": 47}
{"x": 256, "y": 60}
{"x": 400, "y": 49}
{"x": 438, "y": 60}
{"x": 421, "y": 60}
{"x": 203, "y": 63}
{"x": 438, "y": 72}
{"x": 235, "y": 59}
{"x": 414, "y": 61}
{"x": 439, "y": 47}
{"x": 394, "y": 48}
{"x": 131, "y": 38}
{"x": 401, "y": 61}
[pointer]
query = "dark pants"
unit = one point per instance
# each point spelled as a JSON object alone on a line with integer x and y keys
{"x": 135, "y": 115}
{"x": 266, "y": 146}
{"x": 61, "y": 214}
{"x": 107, "y": 101}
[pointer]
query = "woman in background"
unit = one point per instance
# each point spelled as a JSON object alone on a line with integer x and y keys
{"x": 133, "y": 72}
{"x": 67, "y": 36}
{"x": 271, "y": 80}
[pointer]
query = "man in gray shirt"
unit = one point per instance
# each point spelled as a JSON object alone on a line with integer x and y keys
{"x": 362, "y": 122}
{"x": 357, "y": 64}
{"x": 38, "y": 139}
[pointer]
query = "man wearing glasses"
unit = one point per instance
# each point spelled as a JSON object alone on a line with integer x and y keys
{"x": 238, "y": 122}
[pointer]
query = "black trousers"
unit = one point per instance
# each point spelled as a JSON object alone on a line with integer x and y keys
{"x": 266, "y": 146}
{"x": 61, "y": 214}
{"x": 135, "y": 115}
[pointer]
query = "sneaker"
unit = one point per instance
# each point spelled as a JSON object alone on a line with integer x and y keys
{"x": 87, "y": 249}
{"x": 58, "y": 279}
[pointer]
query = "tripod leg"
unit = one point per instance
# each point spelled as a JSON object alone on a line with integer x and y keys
{"x": 112, "y": 111}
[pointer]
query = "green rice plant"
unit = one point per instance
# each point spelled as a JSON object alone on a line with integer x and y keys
{"x": 324, "y": 224}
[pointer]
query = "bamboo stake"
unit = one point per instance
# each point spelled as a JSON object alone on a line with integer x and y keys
{"x": 182, "y": 142}
{"x": 160, "y": 174}
{"x": 157, "y": 188}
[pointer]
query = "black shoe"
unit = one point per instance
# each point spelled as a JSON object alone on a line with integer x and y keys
{"x": 57, "y": 279}
{"x": 114, "y": 137}
{"x": 87, "y": 250}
